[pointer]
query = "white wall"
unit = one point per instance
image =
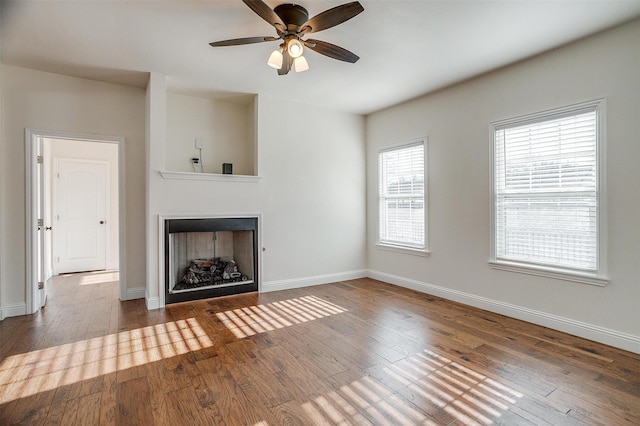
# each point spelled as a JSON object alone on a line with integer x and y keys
{"x": 456, "y": 122}
{"x": 313, "y": 190}
{"x": 84, "y": 150}
{"x": 39, "y": 100}
{"x": 311, "y": 194}
{"x": 226, "y": 131}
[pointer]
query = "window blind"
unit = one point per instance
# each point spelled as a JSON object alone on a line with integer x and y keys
{"x": 546, "y": 191}
{"x": 401, "y": 196}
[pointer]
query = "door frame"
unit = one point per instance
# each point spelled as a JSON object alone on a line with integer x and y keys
{"x": 32, "y": 138}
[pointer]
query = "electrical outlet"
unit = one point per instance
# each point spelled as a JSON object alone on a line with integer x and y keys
{"x": 198, "y": 143}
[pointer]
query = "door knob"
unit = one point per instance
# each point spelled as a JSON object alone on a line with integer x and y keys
{"x": 102, "y": 222}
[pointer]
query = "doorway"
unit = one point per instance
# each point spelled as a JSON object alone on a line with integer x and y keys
{"x": 75, "y": 200}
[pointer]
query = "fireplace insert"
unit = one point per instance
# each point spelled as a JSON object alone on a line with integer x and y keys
{"x": 210, "y": 257}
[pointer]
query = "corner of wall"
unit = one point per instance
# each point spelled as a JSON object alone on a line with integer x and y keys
{"x": 155, "y": 126}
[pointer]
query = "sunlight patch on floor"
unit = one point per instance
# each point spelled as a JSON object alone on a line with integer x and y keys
{"x": 99, "y": 278}
{"x": 249, "y": 321}
{"x": 404, "y": 391}
{"x": 87, "y": 278}
{"x": 37, "y": 371}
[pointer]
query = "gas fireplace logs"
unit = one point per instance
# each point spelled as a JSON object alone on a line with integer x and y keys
{"x": 211, "y": 272}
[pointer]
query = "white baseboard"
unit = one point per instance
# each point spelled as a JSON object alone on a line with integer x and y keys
{"x": 607, "y": 336}
{"x": 14, "y": 310}
{"x": 135, "y": 293}
{"x": 153, "y": 303}
{"x": 309, "y": 281}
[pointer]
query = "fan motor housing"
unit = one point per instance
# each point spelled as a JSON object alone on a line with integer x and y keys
{"x": 293, "y": 15}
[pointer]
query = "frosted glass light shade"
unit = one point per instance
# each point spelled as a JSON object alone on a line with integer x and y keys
{"x": 300, "y": 64}
{"x": 295, "y": 48}
{"x": 275, "y": 60}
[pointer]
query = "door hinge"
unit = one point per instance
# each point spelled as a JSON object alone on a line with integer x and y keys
{"x": 40, "y": 285}
{"x": 40, "y": 159}
{"x": 40, "y": 222}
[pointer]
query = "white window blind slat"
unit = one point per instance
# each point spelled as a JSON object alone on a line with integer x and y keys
{"x": 546, "y": 210}
{"x": 401, "y": 196}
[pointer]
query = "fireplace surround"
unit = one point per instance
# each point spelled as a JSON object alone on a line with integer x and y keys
{"x": 209, "y": 257}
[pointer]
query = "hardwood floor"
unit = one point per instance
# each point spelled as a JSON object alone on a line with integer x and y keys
{"x": 356, "y": 352}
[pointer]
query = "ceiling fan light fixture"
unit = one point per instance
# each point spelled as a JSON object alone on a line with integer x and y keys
{"x": 300, "y": 64}
{"x": 275, "y": 60}
{"x": 292, "y": 23}
{"x": 294, "y": 47}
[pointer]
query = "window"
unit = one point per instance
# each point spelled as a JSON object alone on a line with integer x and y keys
{"x": 547, "y": 210}
{"x": 401, "y": 189}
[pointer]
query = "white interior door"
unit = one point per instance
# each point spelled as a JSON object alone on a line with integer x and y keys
{"x": 80, "y": 204}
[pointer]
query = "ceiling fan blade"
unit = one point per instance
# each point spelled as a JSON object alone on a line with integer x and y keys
{"x": 266, "y": 13}
{"x": 331, "y": 17}
{"x": 287, "y": 62}
{"x": 331, "y": 50}
{"x": 239, "y": 41}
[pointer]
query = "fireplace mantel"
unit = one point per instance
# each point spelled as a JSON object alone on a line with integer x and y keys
{"x": 210, "y": 177}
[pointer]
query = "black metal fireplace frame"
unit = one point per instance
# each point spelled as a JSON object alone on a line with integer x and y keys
{"x": 210, "y": 225}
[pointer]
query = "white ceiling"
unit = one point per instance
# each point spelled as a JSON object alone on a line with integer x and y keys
{"x": 407, "y": 48}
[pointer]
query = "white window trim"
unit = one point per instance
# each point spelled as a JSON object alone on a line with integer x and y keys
{"x": 403, "y": 249}
{"x": 599, "y": 277}
{"x": 399, "y": 248}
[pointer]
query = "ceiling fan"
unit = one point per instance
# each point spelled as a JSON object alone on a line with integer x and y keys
{"x": 292, "y": 23}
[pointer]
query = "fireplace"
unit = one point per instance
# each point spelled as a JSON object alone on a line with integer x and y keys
{"x": 210, "y": 257}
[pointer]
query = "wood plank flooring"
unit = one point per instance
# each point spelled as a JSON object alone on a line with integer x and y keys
{"x": 355, "y": 352}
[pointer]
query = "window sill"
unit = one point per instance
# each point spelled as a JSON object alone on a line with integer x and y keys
{"x": 548, "y": 272}
{"x": 404, "y": 250}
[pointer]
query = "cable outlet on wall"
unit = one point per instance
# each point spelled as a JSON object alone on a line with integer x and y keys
{"x": 198, "y": 143}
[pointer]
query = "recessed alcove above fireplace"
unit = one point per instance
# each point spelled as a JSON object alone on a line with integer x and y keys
{"x": 215, "y": 128}
{"x": 209, "y": 257}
